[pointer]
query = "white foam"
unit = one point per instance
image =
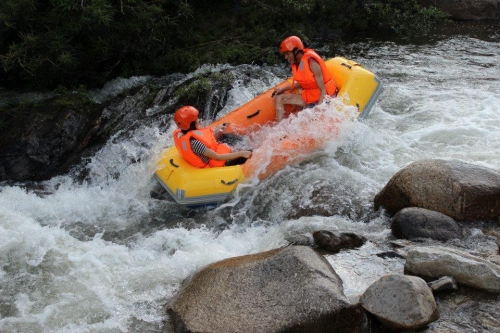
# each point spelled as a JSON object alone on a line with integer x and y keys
{"x": 104, "y": 256}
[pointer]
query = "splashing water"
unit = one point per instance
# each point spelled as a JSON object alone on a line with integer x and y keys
{"x": 104, "y": 255}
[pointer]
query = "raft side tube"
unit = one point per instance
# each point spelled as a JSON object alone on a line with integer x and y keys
{"x": 357, "y": 86}
{"x": 251, "y": 115}
{"x": 189, "y": 185}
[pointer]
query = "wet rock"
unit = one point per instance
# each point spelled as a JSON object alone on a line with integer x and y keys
{"x": 443, "y": 283}
{"x": 291, "y": 289}
{"x": 45, "y": 138}
{"x": 494, "y": 259}
{"x": 465, "y": 268}
{"x": 401, "y": 302}
{"x": 414, "y": 222}
{"x": 465, "y": 192}
{"x": 301, "y": 239}
{"x": 496, "y": 235}
{"x": 335, "y": 242}
{"x": 465, "y": 10}
{"x": 122, "y": 114}
{"x": 466, "y": 311}
{"x": 49, "y": 139}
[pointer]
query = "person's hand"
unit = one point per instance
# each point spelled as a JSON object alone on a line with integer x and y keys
{"x": 277, "y": 91}
{"x": 221, "y": 127}
{"x": 246, "y": 153}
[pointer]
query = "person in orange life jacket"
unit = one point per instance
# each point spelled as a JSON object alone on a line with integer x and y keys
{"x": 199, "y": 146}
{"x": 310, "y": 73}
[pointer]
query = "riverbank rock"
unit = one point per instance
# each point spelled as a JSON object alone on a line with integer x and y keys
{"x": 291, "y": 289}
{"x": 463, "y": 191}
{"x": 401, "y": 302}
{"x": 335, "y": 242}
{"x": 47, "y": 138}
{"x": 465, "y": 268}
{"x": 413, "y": 222}
{"x": 465, "y": 10}
{"x": 42, "y": 138}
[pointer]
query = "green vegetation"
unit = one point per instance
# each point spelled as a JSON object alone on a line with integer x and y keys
{"x": 73, "y": 43}
{"x": 196, "y": 88}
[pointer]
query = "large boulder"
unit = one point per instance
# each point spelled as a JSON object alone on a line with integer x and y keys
{"x": 401, "y": 302}
{"x": 465, "y": 268}
{"x": 465, "y": 9}
{"x": 460, "y": 190}
{"x": 291, "y": 289}
{"x": 413, "y": 222}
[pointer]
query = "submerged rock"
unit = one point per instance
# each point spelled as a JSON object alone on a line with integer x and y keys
{"x": 291, "y": 289}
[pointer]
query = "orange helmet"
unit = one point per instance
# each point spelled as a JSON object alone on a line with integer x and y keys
{"x": 291, "y": 43}
{"x": 184, "y": 116}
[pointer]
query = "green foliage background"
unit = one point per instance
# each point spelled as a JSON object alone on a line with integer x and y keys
{"x": 49, "y": 43}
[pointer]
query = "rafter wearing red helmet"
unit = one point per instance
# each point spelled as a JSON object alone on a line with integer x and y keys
{"x": 310, "y": 74}
{"x": 198, "y": 146}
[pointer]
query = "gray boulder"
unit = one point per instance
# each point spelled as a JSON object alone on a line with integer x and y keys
{"x": 463, "y": 191}
{"x": 291, "y": 289}
{"x": 413, "y": 222}
{"x": 401, "y": 302}
{"x": 466, "y": 269}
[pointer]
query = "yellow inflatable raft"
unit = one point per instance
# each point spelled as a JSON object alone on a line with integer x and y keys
{"x": 207, "y": 186}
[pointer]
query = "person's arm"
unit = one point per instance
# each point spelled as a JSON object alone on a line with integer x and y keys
{"x": 226, "y": 157}
{"x": 318, "y": 76}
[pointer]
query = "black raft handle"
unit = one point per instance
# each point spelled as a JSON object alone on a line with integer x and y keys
{"x": 172, "y": 163}
{"x": 346, "y": 65}
{"x": 230, "y": 182}
{"x": 253, "y": 114}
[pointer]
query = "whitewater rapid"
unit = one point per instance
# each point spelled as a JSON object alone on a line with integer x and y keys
{"x": 105, "y": 255}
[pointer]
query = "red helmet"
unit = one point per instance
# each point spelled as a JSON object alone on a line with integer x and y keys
{"x": 291, "y": 43}
{"x": 184, "y": 116}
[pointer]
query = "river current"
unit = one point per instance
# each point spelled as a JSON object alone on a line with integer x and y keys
{"x": 106, "y": 255}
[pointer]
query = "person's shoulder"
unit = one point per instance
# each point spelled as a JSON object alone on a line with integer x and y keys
{"x": 313, "y": 61}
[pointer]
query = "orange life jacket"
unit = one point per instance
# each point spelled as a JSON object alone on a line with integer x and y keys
{"x": 305, "y": 77}
{"x": 205, "y": 136}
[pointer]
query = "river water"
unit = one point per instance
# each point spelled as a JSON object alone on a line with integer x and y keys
{"x": 105, "y": 255}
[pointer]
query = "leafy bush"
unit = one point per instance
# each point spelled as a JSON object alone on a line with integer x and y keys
{"x": 47, "y": 43}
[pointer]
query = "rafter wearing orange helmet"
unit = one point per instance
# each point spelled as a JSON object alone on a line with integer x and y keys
{"x": 199, "y": 146}
{"x": 310, "y": 74}
{"x": 185, "y": 116}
